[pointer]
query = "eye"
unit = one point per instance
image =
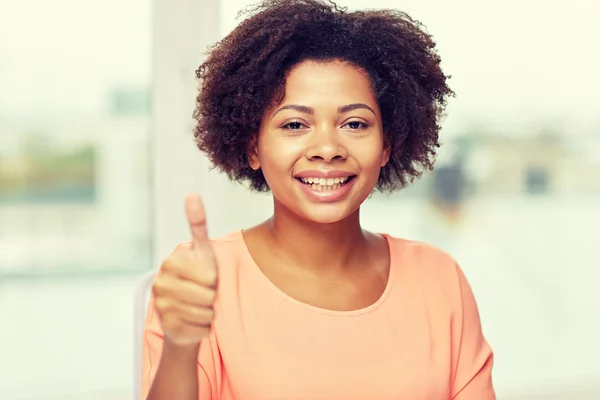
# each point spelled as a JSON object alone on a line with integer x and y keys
{"x": 293, "y": 126}
{"x": 356, "y": 125}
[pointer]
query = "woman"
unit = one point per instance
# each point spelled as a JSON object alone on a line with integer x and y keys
{"x": 320, "y": 107}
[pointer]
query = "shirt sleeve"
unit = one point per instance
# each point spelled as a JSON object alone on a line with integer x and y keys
{"x": 152, "y": 345}
{"x": 472, "y": 357}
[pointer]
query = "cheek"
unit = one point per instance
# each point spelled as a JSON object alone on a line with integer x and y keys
{"x": 277, "y": 157}
{"x": 370, "y": 158}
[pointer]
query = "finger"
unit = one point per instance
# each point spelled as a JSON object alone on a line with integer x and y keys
{"x": 179, "y": 331}
{"x": 198, "y": 267}
{"x": 185, "y": 291}
{"x": 201, "y": 318}
{"x": 195, "y": 316}
{"x": 194, "y": 211}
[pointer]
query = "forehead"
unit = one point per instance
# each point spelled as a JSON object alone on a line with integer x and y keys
{"x": 311, "y": 80}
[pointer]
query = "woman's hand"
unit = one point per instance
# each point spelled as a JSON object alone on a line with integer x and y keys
{"x": 185, "y": 288}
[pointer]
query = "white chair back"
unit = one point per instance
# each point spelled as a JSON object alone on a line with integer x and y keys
{"x": 141, "y": 297}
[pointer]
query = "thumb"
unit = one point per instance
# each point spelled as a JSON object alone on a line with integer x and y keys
{"x": 194, "y": 211}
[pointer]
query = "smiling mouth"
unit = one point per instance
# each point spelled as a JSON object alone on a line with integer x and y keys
{"x": 326, "y": 184}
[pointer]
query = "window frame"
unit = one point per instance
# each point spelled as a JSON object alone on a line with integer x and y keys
{"x": 182, "y": 31}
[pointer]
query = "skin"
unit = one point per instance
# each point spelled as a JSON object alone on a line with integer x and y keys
{"x": 346, "y": 267}
{"x": 316, "y": 136}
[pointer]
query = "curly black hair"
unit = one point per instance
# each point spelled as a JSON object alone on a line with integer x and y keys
{"x": 245, "y": 73}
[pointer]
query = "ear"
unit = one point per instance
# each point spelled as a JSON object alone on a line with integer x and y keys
{"x": 387, "y": 152}
{"x": 253, "y": 159}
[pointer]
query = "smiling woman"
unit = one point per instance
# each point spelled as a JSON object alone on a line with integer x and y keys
{"x": 245, "y": 75}
{"x": 327, "y": 127}
{"x": 320, "y": 107}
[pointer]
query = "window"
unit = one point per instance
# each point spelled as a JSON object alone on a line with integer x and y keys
{"x": 75, "y": 193}
{"x": 75, "y": 120}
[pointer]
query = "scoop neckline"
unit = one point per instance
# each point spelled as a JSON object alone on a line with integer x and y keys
{"x": 255, "y": 269}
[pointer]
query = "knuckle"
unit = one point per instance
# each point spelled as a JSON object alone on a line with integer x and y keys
{"x": 168, "y": 263}
{"x": 175, "y": 262}
{"x": 163, "y": 305}
{"x": 162, "y": 285}
{"x": 205, "y": 316}
{"x": 208, "y": 276}
{"x": 210, "y": 297}
{"x": 184, "y": 247}
{"x": 210, "y": 316}
{"x": 159, "y": 303}
{"x": 158, "y": 286}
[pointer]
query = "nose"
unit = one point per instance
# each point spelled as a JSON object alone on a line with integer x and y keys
{"x": 326, "y": 146}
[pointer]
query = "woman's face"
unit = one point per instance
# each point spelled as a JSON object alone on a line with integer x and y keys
{"x": 322, "y": 147}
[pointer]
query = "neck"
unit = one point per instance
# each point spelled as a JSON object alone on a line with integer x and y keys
{"x": 313, "y": 245}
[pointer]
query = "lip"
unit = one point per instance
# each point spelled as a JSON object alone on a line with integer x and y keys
{"x": 323, "y": 174}
{"x": 329, "y": 195}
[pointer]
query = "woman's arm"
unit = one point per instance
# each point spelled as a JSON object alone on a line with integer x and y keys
{"x": 180, "y": 317}
{"x": 169, "y": 371}
{"x": 177, "y": 373}
{"x": 168, "y": 368}
{"x": 472, "y": 356}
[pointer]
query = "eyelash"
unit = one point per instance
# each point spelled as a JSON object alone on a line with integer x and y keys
{"x": 362, "y": 125}
{"x": 287, "y": 126}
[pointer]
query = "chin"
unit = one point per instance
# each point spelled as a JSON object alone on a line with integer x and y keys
{"x": 325, "y": 220}
{"x": 326, "y": 216}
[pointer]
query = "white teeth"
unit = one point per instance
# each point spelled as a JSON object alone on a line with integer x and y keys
{"x": 323, "y": 181}
{"x": 320, "y": 188}
{"x": 325, "y": 184}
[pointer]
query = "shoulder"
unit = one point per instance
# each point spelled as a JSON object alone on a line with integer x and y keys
{"x": 230, "y": 249}
{"x": 433, "y": 270}
{"x": 425, "y": 257}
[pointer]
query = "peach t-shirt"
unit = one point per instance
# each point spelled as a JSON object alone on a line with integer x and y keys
{"x": 421, "y": 340}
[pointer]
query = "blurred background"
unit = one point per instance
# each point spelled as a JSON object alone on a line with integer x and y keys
{"x": 96, "y": 157}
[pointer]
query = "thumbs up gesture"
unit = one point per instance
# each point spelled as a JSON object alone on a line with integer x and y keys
{"x": 185, "y": 289}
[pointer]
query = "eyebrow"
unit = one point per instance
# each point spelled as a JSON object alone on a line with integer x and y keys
{"x": 311, "y": 111}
